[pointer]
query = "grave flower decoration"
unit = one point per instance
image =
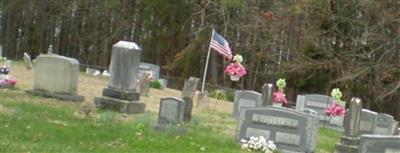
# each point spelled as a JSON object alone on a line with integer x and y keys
{"x": 338, "y": 106}
{"x": 6, "y": 80}
{"x": 279, "y": 96}
{"x": 258, "y": 144}
{"x": 235, "y": 69}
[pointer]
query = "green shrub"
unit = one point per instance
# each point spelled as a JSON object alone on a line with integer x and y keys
{"x": 218, "y": 94}
{"x": 222, "y": 95}
{"x": 155, "y": 84}
{"x": 230, "y": 96}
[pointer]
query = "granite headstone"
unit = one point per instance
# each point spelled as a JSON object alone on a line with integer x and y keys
{"x": 121, "y": 94}
{"x": 171, "y": 112}
{"x": 379, "y": 144}
{"x": 57, "y": 77}
{"x": 245, "y": 99}
{"x": 190, "y": 87}
{"x": 385, "y": 124}
{"x": 368, "y": 121}
{"x": 291, "y": 131}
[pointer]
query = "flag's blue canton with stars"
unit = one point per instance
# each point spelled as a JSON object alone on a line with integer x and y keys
{"x": 219, "y": 44}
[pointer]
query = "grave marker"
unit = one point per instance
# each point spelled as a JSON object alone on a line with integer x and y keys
{"x": 367, "y": 121}
{"x": 27, "y": 60}
{"x": 379, "y": 144}
{"x": 385, "y": 124}
{"x": 349, "y": 142}
{"x": 291, "y": 131}
{"x": 244, "y": 99}
{"x": 171, "y": 113}
{"x": 190, "y": 87}
{"x": 121, "y": 94}
{"x": 149, "y": 68}
{"x": 57, "y": 77}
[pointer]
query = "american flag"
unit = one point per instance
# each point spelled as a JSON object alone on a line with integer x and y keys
{"x": 219, "y": 44}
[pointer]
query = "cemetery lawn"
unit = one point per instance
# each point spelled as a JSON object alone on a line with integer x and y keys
{"x": 35, "y": 124}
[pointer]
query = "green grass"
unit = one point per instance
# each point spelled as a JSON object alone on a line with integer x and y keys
{"x": 30, "y": 124}
{"x": 33, "y": 127}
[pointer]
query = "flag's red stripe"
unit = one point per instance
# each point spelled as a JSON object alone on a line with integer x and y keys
{"x": 221, "y": 51}
{"x": 221, "y": 48}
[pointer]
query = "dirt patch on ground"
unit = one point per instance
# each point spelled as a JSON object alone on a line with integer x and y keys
{"x": 91, "y": 87}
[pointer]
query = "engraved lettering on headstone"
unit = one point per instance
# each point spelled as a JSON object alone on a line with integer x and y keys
{"x": 275, "y": 121}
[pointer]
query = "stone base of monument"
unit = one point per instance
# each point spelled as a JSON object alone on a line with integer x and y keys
{"x": 123, "y": 106}
{"x": 123, "y": 101}
{"x": 60, "y": 96}
{"x": 347, "y": 145}
{"x": 121, "y": 94}
{"x": 170, "y": 128}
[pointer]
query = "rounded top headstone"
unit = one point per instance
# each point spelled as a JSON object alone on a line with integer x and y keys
{"x": 127, "y": 45}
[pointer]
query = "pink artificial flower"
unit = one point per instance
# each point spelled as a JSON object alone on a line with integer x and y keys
{"x": 335, "y": 110}
{"x": 11, "y": 82}
{"x": 235, "y": 69}
{"x": 279, "y": 97}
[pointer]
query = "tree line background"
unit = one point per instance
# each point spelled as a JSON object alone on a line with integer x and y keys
{"x": 316, "y": 45}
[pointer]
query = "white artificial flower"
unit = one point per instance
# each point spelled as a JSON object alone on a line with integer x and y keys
{"x": 272, "y": 146}
{"x": 245, "y": 146}
{"x": 243, "y": 141}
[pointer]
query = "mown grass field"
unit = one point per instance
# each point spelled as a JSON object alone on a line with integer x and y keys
{"x": 35, "y": 124}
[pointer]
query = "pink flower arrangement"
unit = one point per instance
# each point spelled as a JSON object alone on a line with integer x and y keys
{"x": 335, "y": 110}
{"x": 235, "y": 69}
{"x": 279, "y": 97}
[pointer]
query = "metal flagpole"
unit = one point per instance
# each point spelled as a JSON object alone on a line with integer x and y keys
{"x": 206, "y": 67}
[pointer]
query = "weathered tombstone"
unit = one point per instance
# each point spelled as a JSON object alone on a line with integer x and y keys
{"x": 202, "y": 100}
{"x": 27, "y": 60}
{"x": 368, "y": 121}
{"x": 300, "y": 101}
{"x": 245, "y": 99}
{"x": 171, "y": 114}
{"x": 187, "y": 116}
{"x": 349, "y": 142}
{"x": 148, "y": 67}
{"x": 187, "y": 94}
{"x": 385, "y": 124}
{"x": 190, "y": 87}
{"x": 267, "y": 94}
{"x": 144, "y": 83}
{"x": 318, "y": 103}
{"x": 291, "y": 131}
{"x": 121, "y": 94}
{"x": 57, "y": 77}
{"x": 379, "y": 144}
